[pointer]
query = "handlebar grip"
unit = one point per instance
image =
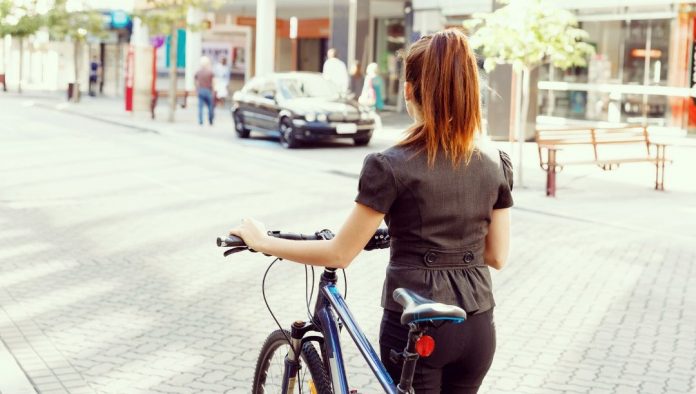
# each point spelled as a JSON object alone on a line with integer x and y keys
{"x": 380, "y": 240}
{"x": 230, "y": 241}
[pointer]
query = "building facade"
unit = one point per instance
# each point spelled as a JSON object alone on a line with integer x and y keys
{"x": 642, "y": 72}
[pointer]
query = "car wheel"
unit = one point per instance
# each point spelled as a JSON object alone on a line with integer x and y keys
{"x": 288, "y": 139}
{"x": 361, "y": 141}
{"x": 242, "y": 132}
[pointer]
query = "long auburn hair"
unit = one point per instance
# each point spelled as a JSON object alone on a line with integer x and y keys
{"x": 442, "y": 70}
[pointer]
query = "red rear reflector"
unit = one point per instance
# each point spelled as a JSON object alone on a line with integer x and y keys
{"x": 425, "y": 346}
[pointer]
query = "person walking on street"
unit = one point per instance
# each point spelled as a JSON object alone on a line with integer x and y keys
{"x": 373, "y": 90}
{"x": 356, "y": 79}
{"x": 94, "y": 71}
{"x": 222, "y": 80}
{"x": 445, "y": 196}
{"x": 335, "y": 70}
{"x": 204, "y": 86}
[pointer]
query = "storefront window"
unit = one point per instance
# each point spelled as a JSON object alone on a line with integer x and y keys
{"x": 389, "y": 42}
{"x": 627, "y": 53}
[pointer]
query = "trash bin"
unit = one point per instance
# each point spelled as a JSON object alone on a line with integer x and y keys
{"x": 73, "y": 89}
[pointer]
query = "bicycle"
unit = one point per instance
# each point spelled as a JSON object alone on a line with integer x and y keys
{"x": 331, "y": 315}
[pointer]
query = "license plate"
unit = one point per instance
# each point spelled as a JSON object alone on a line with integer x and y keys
{"x": 346, "y": 128}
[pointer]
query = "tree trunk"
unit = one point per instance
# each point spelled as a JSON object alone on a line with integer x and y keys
{"x": 76, "y": 60}
{"x": 21, "y": 63}
{"x": 523, "y": 108}
{"x": 172, "y": 73}
{"x": 5, "y": 56}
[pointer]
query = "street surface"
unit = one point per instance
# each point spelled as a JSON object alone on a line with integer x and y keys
{"x": 110, "y": 281}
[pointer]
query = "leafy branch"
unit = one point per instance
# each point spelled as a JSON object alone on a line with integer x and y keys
{"x": 529, "y": 33}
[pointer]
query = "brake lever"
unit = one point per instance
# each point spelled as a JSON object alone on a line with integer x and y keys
{"x": 241, "y": 249}
{"x": 234, "y": 250}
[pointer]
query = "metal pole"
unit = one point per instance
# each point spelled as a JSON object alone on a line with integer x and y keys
{"x": 265, "y": 36}
{"x": 646, "y": 72}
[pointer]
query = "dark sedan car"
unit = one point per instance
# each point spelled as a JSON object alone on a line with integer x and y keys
{"x": 299, "y": 106}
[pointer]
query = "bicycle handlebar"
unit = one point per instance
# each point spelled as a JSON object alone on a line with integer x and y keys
{"x": 380, "y": 240}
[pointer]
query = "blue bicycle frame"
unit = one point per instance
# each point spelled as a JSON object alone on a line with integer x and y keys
{"x": 336, "y": 303}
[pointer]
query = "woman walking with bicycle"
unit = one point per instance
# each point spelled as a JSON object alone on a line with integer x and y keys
{"x": 445, "y": 198}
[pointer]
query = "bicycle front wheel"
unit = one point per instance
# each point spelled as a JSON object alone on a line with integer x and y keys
{"x": 270, "y": 366}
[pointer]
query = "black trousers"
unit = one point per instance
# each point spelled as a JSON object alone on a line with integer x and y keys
{"x": 463, "y": 353}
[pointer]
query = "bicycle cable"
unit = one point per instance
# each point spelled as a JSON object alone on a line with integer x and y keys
{"x": 308, "y": 299}
{"x": 345, "y": 284}
{"x": 265, "y": 300}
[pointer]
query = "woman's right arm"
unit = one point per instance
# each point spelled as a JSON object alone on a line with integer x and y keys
{"x": 498, "y": 239}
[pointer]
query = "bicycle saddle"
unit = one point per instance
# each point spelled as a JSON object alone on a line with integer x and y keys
{"x": 419, "y": 309}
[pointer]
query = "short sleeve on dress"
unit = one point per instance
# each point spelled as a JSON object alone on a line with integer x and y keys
{"x": 377, "y": 185}
{"x": 505, "y": 187}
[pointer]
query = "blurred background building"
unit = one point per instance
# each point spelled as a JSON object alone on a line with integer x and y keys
{"x": 643, "y": 70}
{"x": 49, "y": 65}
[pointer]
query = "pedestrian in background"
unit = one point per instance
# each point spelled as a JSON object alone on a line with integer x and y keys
{"x": 335, "y": 70}
{"x": 204, "y": 87}
{"x": 94, "y": 69}
{"x": 222, "y": 80}
{"x": 357, "y": 79}
{"x": 373, "y": 88}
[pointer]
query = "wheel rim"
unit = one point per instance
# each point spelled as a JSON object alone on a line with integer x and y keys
{"x": 285, "y": 134}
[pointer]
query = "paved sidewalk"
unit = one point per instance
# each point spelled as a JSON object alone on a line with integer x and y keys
{"x": 109, "y": 282}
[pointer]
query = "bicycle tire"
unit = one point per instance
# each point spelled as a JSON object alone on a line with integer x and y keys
{"x": 277, "y": 341}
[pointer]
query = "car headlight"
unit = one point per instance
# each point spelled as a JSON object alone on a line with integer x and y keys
{"x": 322, "y": 117}
{"x": 310, "y": 116}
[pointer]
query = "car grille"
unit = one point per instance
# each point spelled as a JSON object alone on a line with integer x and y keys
{"x": 350, "y": 117}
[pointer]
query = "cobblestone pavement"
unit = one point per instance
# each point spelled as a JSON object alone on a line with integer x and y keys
{"x": 110, "y": 281}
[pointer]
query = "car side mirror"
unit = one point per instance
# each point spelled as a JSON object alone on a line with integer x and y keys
{"x": 268, "y": 96}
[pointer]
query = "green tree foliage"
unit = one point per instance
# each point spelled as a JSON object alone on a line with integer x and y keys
{"x": 162, "y": 17}
{"x": 528, "y": 33}
{"x": 19, "y": 19}
{"x": 75, "y": 25}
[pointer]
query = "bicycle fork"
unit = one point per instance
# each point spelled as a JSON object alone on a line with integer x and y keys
{"x": 292, "y": 359}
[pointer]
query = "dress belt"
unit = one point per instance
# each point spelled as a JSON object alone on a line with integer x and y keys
{"x": 436, "y": 258}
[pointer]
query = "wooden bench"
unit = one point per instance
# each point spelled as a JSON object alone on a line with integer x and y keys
{"x": 549, "y": 142}
{"x": 180, "y": 94}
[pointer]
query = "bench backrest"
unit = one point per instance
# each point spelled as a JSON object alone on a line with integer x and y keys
{"x": 564, "y": 137}
{"x": 595, "y": 137}
{"x": 621, "y": 135}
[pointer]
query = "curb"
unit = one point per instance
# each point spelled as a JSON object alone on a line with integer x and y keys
{"x": 14, "y": 380}
{"x": 97, "y": 118}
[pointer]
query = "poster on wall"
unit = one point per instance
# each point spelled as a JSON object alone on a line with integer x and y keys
{"x": 216, "y": 51}
{"x": 238, "y": 60}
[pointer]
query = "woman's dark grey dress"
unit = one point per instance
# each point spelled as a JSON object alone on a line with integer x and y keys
{"x": 438, "y": 220}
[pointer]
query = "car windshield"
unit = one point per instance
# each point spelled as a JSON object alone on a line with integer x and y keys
{"x": 307, "y": 86}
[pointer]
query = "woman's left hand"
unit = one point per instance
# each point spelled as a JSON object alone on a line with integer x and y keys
{"x": 252, "y": 232}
